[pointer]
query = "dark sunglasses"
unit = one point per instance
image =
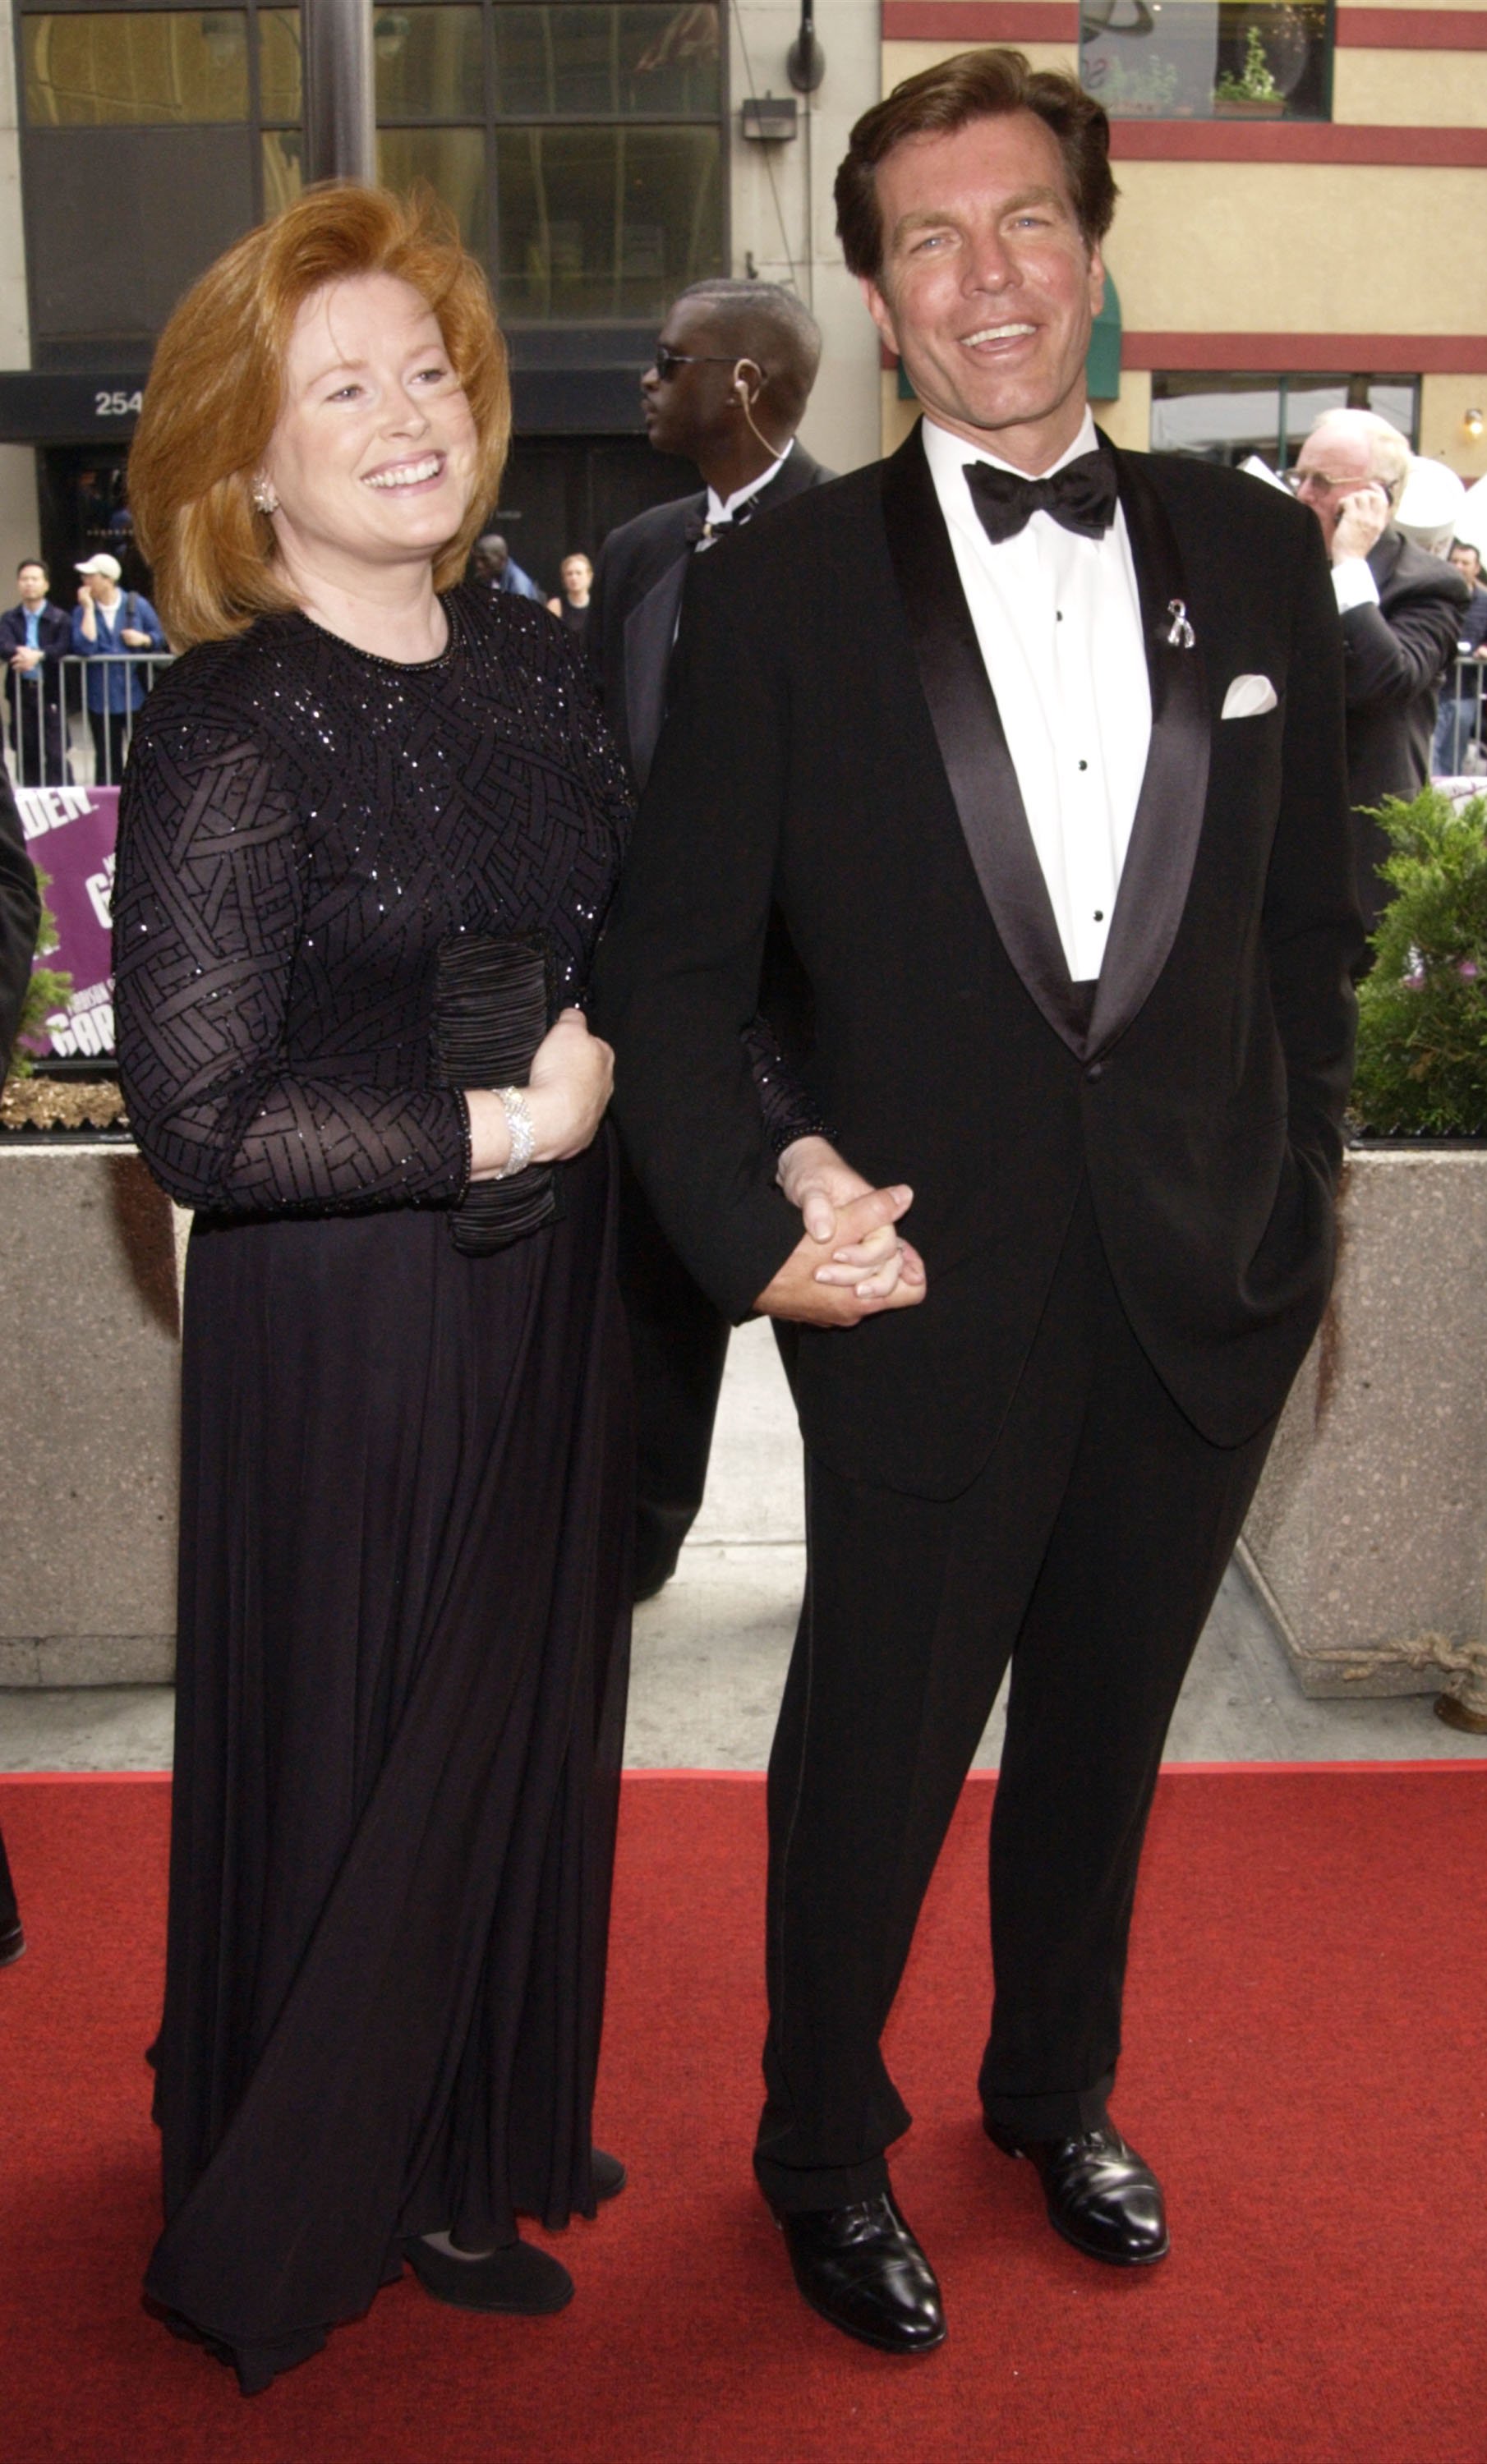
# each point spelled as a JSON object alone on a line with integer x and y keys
{"x": 666, "y": 362}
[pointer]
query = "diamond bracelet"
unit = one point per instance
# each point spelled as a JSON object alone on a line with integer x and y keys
{"x": 523, "y": 1133}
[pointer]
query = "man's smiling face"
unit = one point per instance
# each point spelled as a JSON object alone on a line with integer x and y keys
{"x": 989, "y": 288}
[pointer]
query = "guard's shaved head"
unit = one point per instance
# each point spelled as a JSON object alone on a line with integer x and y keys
{"x": 764, "y": 322}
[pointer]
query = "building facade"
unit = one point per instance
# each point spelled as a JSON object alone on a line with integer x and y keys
{"x": 593, "y": 153}
{"x": 1301, "y": 188}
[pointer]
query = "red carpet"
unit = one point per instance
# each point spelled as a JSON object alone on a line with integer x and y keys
{"x": 1307, "y": 2067}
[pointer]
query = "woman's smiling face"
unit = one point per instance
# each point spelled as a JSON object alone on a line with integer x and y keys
{"x": 373, "y": 457}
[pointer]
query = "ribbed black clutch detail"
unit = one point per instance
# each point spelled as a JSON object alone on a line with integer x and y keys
{"x": 493, "y": 999}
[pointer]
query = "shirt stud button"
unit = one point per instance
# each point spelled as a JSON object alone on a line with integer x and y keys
{"x": 1095, "y": 1069}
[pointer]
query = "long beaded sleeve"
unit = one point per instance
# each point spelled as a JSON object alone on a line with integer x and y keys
{"x": 212, "y": 927}
{"x": 301, "y": 826}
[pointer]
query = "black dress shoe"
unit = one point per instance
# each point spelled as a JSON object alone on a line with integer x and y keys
{"x": 1100, "y": 2196}
{"x": 518, "y": 2279}
{"x": 861, "y": 2268}
{"x": 12, "y": 1942}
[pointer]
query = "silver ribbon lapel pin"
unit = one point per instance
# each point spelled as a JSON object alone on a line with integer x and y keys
{"x": 1179, "y": 634}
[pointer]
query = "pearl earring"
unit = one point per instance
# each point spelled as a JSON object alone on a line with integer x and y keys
{"x": 264, "y": 500}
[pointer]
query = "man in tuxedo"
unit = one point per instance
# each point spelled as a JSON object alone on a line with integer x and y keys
{"x": 20, "y": 917}
{"x": 734, "y": 367}
{"x": 1039, "y": 747}
{"x": 1401, "y": 609}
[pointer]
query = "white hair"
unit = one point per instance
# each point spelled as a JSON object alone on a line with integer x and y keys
{"x": 1389, "y": 452}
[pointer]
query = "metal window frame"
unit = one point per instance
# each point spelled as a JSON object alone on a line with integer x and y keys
{"x": 1306, "y": 119}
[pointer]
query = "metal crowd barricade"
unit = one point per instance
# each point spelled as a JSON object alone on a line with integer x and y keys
{"x": 1460, "y": 748}
{"x": 63, "y": 731}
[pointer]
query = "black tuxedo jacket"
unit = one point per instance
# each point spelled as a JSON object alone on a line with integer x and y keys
{"x": 834, "y": 745}
{"x": 635, "y": 604}
{"x": 1395, "y": 655}
{"x": 20, "y": 914}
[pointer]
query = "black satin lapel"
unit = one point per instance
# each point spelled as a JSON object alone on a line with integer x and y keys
{"x": 1158, "y": 870}
{"x": 650, "y": 633}
{"x": 972, "y": 742}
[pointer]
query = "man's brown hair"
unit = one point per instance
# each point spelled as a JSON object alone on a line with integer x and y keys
{"x": 975, "y": 85}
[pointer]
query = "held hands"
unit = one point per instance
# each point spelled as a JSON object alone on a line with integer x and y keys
{"x": 136, "y": 640}
{"x": 1362, "y": 519}
{"x": 567, "y": 1090}
{"x": 851, "y": 1263}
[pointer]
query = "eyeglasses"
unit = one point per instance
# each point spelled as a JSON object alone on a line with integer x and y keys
{"x": 666, "y": 362}
{"x": 1295, "y": 480}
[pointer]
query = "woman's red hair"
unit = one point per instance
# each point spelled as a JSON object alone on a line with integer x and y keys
{"x": 216, "y": 386}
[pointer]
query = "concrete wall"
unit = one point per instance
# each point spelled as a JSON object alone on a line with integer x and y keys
{"x": 18, "y": 526}
{"x": 791, "y": 236}
{"x": 89, "y": 1387}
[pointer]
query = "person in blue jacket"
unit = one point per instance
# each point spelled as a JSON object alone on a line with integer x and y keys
{"x": 108, "y": 622}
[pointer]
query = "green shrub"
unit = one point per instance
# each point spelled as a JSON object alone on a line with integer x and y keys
{"x": 1421, "y": 1012}
{"x": 46, "y": 992}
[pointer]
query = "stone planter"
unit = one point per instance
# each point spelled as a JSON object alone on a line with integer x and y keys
{"x": 89, "y": 1397}
{"x": 1367, "y": 1538}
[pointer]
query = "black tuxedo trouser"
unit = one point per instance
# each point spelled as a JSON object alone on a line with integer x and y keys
{"x": 10, "y": 1914}
{"x": 678, "y": 1344}
{"x": 1088, "y": 1551}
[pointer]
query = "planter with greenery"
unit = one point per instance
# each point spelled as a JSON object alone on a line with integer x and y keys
{"x": 1368, "y": 1534}
{"x": 1251, "y": 93}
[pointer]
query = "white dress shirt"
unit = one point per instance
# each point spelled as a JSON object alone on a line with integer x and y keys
{"x": 1058, "y": 621}
{"x": 725, "y": 509}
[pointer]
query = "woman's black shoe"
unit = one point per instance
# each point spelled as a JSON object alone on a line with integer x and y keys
{"x": 606, "y": 2174}
{"x": 12, "y": 1942}
{"x": 861, "y": 2268}
{"x": 516, "y": 2279}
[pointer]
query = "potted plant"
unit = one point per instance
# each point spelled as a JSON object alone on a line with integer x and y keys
{"x": 1252, "y": 94}
{"x": 1368, "y": 1537}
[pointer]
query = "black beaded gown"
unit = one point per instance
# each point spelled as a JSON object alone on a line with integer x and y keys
{"x": 406, "y": 1482}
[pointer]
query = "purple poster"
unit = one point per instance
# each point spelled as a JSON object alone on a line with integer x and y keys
{"x": 70, "y": 834}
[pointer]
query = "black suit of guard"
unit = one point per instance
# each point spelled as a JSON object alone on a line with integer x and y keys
{"x": 1125, "y": 1209}
{"x": 1394, "y": 656}
{"x": 20, "y": 914}
{"x": 678, "y": 1338}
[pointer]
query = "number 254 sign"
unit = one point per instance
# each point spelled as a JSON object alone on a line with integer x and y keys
{"x": 115, "y": 403}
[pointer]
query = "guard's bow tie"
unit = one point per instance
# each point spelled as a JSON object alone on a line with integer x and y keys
{"x": 1081, "y": 496}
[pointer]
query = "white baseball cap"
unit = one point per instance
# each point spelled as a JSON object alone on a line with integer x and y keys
{"x": 108, "y": 566}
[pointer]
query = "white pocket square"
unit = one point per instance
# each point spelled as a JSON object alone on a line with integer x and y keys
{"x": 1249, "y": 698}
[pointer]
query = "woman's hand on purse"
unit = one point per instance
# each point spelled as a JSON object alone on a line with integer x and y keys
{"x": 566, "y": 1092}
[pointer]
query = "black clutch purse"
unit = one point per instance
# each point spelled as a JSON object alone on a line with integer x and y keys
{"x": 492, "y": 1005}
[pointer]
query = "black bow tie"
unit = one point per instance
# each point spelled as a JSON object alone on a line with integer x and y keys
{"x": 1081, "y": 496}
{"x": 699, "y": 531}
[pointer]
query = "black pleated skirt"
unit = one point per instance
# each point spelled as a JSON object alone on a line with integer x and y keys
{"x": 404, "y": 1630}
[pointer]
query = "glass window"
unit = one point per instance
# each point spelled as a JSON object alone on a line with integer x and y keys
{"x": 283, "y": 167}
{"x": 452, "y": 161}
{"x": 1209, "y": 59}
{"x": 605, "y": 222}
{"x": 279, "y": 77}
{"x": 1227, "y": 418}
{"x": 106, "y": 66}
{"x": 639, "y": 63}
{"x": 429, "y": 62}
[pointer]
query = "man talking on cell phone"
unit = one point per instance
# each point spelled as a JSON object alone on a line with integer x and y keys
{"x": 1038, "y": 745}
{"x": 1401, "y": 609}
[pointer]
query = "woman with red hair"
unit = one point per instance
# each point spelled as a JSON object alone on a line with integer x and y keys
{"x": 370, "y": 828}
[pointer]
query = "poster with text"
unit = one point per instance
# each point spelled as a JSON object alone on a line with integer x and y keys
{"x": 69, "y": 835}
